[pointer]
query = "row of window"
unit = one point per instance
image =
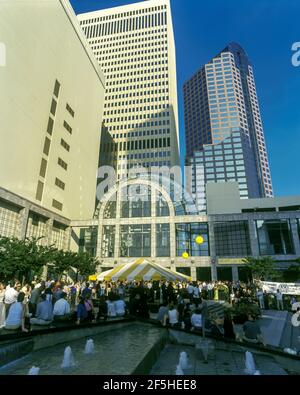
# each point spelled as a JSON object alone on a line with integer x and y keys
{"x": 151, "y": 93}
{"x": 136, "y": 62}
{"x": 47, "y": 144}
{"x": 124, "y": 14}
{"x": 146, "y": 155}
{"x": 130, "y": 54}
{"x": 138, "y": 114}
{"x": 142, "y": 70}
{"x": 138, "y": 125}
{"x": 128, "y": 166}
{"x": 144, "y": 144}
{"x": 134, "y": 80}
{"x": 156, "y": 132}
{"x": 139, "y": 69}
{"x": 232, "y": 239}
{"x": 151, "y": 111}
{"x": 123, "y": 88}
{"x": 135, "y": 49}
{"x": 137, "y": 38}
{"x": 126, "y": 25}
{"x": 117, "y": 103}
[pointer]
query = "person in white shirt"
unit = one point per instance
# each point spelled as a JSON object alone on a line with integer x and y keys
{"x": 172, "y": 316}
{"x": 16, "y": 316}
{"x": 260, "y": 297}
{"x": 196, "y": 320}
{"x": 279, "y": 298}
{"x": 62, "y": 309}
{"x": 120, "y": 307}
{"x": 111, "y": 309}
{"x": 10, "y": 296}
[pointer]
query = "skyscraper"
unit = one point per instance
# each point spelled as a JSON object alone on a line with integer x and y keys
{"x": 224, "y": 132}
{"x": 134, "y": 45}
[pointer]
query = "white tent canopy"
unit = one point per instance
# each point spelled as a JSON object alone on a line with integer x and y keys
{"x": 142, "y": 269}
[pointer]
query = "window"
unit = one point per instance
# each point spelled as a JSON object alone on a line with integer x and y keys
{"x": 163, "y": 240}
{"x": 108, "y": 241}
{"x": 65, "y": 145}
{"x": 186, "y": 235}
{"x": 46, "y": 146}
{"x": 162, "y": 208}
{"x": 70, "y": 111}
{"x": 9, "y": 219}
{"x": 62, "y": 164}
{"x": 232, "y": 239}
{"x": 39, "y": 191}
{"x": 53, "y": 107}
{"x": 37, "y": 227}
{"x": 275, "y": 237}
{"x": 59, "y": 183}
{"x": 135, "y": 241}
{"x": 43, "y": 168}
{"x": 135, "y": 201}
{"x": 59, "y": 236}
{"x": 67, "y": 127}
{"x": 56, "y": 88}
{"x": 111, "y": 208}
{"x": 57, "y": 205}
{"x": 50, "y": 126}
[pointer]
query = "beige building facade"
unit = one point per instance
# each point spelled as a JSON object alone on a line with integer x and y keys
{"x": 51, "y": 107}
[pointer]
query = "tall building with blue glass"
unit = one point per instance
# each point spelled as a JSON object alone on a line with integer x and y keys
{"x": 224, "y": 133}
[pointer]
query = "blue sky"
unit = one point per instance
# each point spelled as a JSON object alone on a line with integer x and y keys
{"x": 266, "y": 29}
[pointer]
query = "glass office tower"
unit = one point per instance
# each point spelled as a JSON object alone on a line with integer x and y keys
{"x": 224, "y": 133}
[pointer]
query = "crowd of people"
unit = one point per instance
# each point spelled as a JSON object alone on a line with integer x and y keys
{"x": 195, "y": 315}
{"x": 46, "y": 302}
{"x": 184, "y": 305}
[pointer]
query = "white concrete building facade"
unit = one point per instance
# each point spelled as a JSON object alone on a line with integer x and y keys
{"x": 134, "y": 45}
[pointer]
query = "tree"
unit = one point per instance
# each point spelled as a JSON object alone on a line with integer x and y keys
{"x": 62, "y": 262}
{"x": 85, "y": 264}
{"x": 261, "y": 268}
{"x": 21, "y": 259}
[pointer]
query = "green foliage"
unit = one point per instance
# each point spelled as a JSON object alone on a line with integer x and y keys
{"x": 261, "y": 268}
{"x": 240, "y": 310}
{"x": 23, "y": 259}
{"x": 85, "y": 264}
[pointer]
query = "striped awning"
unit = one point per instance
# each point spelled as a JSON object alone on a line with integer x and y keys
{"x": 142, "y": 269}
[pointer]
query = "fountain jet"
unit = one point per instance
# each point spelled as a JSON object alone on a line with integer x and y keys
{"x": 89, "y": 347}
{"x": 250, "y": 364}
{"x": 34, "y": 371}
{"x": 68, "y": 360}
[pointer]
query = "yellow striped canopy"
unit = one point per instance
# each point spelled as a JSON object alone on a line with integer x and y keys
{"x": 142, "y": 269}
